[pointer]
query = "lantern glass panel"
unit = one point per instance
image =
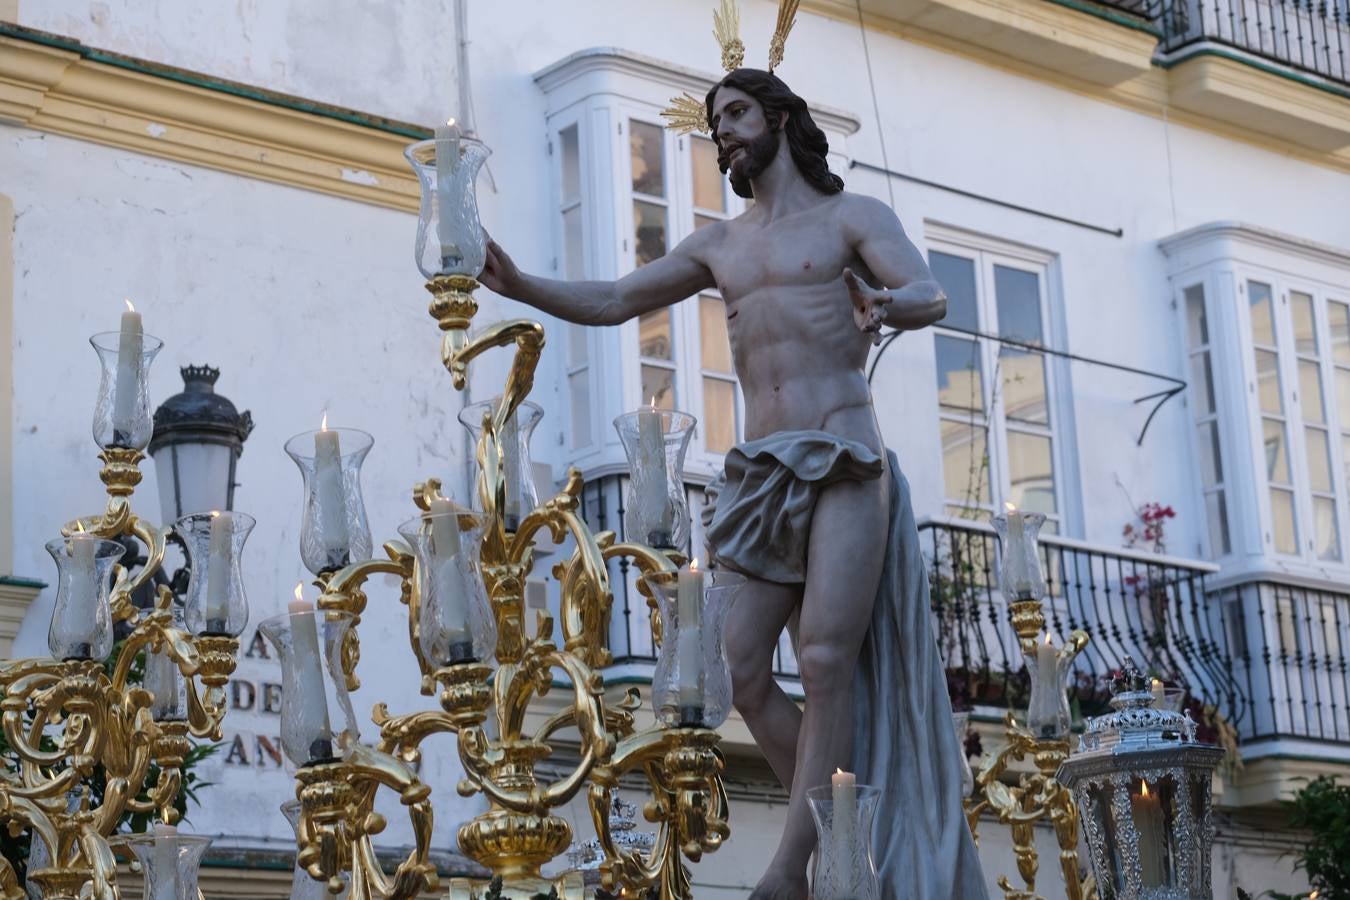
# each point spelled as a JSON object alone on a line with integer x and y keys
{"x": 193, "y": 477}
{"x": 1099, "y": 803}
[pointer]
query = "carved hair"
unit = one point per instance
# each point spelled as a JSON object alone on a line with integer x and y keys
{"x": 805, "y": 140}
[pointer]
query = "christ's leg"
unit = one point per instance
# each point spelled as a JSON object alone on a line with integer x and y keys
{"x": 754, "y": 623}
{"x": 846, "y": 553}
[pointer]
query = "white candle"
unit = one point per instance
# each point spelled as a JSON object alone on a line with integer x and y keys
{"x": 126, "y": 389}
{"x": 689, "y": 640}
{"x": 1049, "y": 690}
{"x": 447, "y": 160}
{"x": 81, "y": 611}
{"x": 844, "y": 792}
{"x": 311, "y": 703}
{"x": 218, "y": 576}
{"x": 166, "y": 862}
{"x": 511, "y": 471}
{"x": 652, "y": 483}
{"x": 449, "y": 584}
{"x": 1146, "y": 807}
{"x": 1017, "y": 552}
{"x": 330, "y": 494}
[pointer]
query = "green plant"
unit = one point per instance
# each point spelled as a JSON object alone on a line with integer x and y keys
{"x": 1322, "y": 807}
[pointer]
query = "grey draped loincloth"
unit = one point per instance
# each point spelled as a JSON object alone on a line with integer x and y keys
{"x": 758, "y": 521}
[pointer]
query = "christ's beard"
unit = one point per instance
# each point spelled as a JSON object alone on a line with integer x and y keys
{"x": 755, "y": 158}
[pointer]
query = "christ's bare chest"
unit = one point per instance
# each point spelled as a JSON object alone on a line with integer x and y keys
{"x": 801, "y": 251}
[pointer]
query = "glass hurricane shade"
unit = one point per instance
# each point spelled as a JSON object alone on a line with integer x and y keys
{"x": 169, "y": 862}
{"x": 165, "y": 681}
{"x": 450, "y": 238}
{"x": 656, "y": 441}
{"x": 1048, "y": 713}
{"x": 215, "y": 601}
{"x": 318, "y": 723}
{"x": 692, "y": 682}
{"x": 454, "y": 619}
{"x": 334, "y": 531}
{"x": 1020, "y": 575}
{"x": 81, "y": 626}
{"x": 844, "y": 868}
{"x": 517, "y": 469}
{"x": 122, "y": 412}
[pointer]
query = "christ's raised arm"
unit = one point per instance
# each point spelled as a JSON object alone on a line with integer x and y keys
{"x": 661, "y": 282}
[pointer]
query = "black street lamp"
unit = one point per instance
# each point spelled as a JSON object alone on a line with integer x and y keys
{"x": 196, "y": 444}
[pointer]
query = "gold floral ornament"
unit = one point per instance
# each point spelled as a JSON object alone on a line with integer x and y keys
{"x": 686, "y": 112}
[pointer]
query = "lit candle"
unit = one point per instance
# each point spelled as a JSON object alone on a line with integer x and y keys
{"x": 449, "y": 584}
{"x": 1146, "y": 807}
{"x": 1156, "y": 688}
{"x": 127, "y": 387}
{"x": 165, "y": 854}
{"x": 447, "y": 159}
{"x": 1017, "y": 553}
{"x": 512, "y": 472}
{"x": 218, "y": 576}
{"x": 331, "y": 496}
{"x": 81, "y": 612}
{"x": 1044, "y": 720}
{"x": 844, "y": 791}
{"x": 310, "y": 706}
{"x": 689, "y": 640}
{"x": 652, "y": 487}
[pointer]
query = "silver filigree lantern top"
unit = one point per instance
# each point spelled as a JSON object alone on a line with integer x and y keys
{"x": 1142, "y": 783}
{"x": 588, "y": 857}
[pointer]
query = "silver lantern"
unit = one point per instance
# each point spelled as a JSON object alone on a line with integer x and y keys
{"x": 1142, "y": 785}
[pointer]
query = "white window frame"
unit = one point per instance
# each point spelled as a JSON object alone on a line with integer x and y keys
{"x": 573, "y": 366}
{"x": 1213, "y": 349}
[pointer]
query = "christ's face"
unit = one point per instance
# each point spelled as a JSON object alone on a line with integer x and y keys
{"x": 746, "y": 143}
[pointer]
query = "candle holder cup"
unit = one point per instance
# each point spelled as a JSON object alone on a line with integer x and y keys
{"x": 170, "y": 864}
{"x": 517, "y": 468}
{"x": 656, "y": 441}
{"x": 215, "y": 603}
{"x": 334, "y": 531}
{"x": 450, "y": 238}
{"x": 318, "y": 724}
{"x": 122, "y": 414}
{"x": 454, "y": 616}
{"x": 844, "y": 868}
{"x": 701, "y": 700}
{"x": 1020, "y": 574}
{"x": 81, "y": 626}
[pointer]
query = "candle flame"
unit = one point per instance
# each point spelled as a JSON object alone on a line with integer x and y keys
{"x": 323, "y": 426}
{"x": 1156, "y": 684}
{"x": 299, "y": 590}
{"x": 1047, "y": 639}
{"x": 838, "y": 771}
{"x": 215, "y": 514}
{"x": 450, "y": 122}
{"x": 79, "y": 527}
{"x": 127, "y": 301}
{"x": 693, "y": 564}
{"x": 1314, "y": 895}
{"x": 1143, "y": 788}
{"x": 652, "y": 402}
{"x": 1010, "y": 507}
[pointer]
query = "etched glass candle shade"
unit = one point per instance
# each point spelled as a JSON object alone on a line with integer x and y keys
{"x": 318, "y": 723}
{"x": 450, "y": 238}
{"x": 656, "y": 441}
{"x": 517, "y": 469}
{"x": 691, "y": 687}
{"x": 81, "y": 626}
{"x": 334, "y": 531}
{"x": 1048, "y": 713}
{"x": 1142, "y": 785}
{"x": 169, "y": 862}
{"x": 215, "y": 603}
{"x": 122, "y": 414}
{"x": 165, "y": 681}
{"x": 844, "y": 868}
{"x": 1020, "y": 575}
{"x": 454, "y": 618}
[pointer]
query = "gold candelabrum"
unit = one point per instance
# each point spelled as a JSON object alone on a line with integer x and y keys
{"x": 70, "y": 720}
{"x": 520, "y": 831}
{"x": 1037, "y": 796}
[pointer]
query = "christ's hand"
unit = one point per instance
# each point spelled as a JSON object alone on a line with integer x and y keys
{"x": 500, "y": 274}
{"x": 869, "y": 305}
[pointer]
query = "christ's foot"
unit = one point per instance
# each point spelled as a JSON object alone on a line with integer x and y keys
{"x": 778, "y": 885}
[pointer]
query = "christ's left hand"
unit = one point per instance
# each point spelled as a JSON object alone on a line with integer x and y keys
{"x": 869, "y": 305}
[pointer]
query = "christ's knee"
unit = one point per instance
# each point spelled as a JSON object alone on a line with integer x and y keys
{"x": 751, "y": 680}
{"x": 826, "y": 669}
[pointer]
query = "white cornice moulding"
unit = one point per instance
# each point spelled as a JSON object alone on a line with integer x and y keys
{"x": 1228, "y": 239}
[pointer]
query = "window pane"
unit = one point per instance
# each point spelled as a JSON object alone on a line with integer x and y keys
{"x": 658, "y": 387}
{"x": 1018, "y": 295}
{"x": 579, "y": 395}
{"x": 1211, "y": 461}
{"x": 956, "y": 274}
{"x": 719, "y": 414}
{"x": 576, "y": 345}
{"x": 1202, "y": 381}
{"x": 700, "y": 221}
{"x": 709, "y": 190}
{"x": 1345, "y": 456}
{"x": 1197, "y": 326}
{"x": 1319, "y": 459}
{"x": 574, "y": 257}
{"x": 1023, "y": 386}
{"x": 1262, "y": 313}
{"x": 1310, "y": 391}
{"x": 649, "y": 231}
{"x": 965, "y": 470}
{"x": 654, "y": 336}
{"x": 1216, "y": 512}
{"x": 1277, "y": 460}
{"x": 1339, "y": 314}
{"x": 958, "y": 373}
{"x": 1031, "y": 472}
{"x": 1327, "y": 537}
{"x": 714, "y": 343}
{"x": 1268, "y": 381}
{"x": 571, "y": 164}
{"x": 1305, "y": 331}
{"x": 647, "y": 145}
{"x": 1282, "y": 521}
{"x": 1343, "y": 396}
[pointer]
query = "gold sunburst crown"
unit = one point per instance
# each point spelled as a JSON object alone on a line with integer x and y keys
{"x": 687, "y": 113}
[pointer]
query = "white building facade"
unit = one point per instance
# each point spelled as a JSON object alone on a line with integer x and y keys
{"x": 1154, "y": 197}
